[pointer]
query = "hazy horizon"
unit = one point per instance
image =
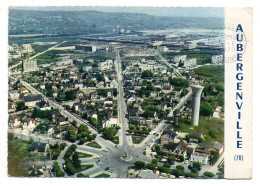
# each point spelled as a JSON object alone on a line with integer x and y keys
{"x": 155, "y": 11}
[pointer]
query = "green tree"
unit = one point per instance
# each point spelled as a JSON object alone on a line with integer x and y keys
{"x": 63, "y": 145}
{"x": 178, "y": 172}
{"x": 164, "y": 169}
{"x": 206, "y": 109}
{"x": 146, "y": 73}
{"x": 191, "y": 175}
{"x": 139, "y": 164}
{"x": 71, "y": 134}
{"x": 209, "y": 174}
{"x": 109, "y": 133}
{"x": 80, "y": 175}
{"x": 21, "y": 106}
{"x": 83, "y": 128}
{"x": 151, "y": 166}
{"x": 56, "y": 168}
{"x": 180, "y": 167}
{"x": 196, "y": 165}
{"x": 75, "y": 160}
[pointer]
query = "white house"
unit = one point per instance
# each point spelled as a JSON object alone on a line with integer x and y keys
{"x": 13, "y": 94}
{"x": 190, "y": 62}
{"x": 112, "y": 122}
{"x": 200, "y": 156}
{"x": 14, "y": 121}
{"x": 29, "y": 124}
{"x": 179, "y": 58}
{"x": 106, "y": 65}
{"x": 87, "y": 68}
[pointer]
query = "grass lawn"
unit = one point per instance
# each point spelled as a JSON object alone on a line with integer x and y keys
{"x": 84, "y": 155}
{"x": 94, "y": 144}
{"x": 84, "y": 167}
{"x": 17, "y": 154}
{"x": 211, "y": 128}
{"x": 184, "y": 125}
{"x": 137, "y": 139}
{"x": 103, "y": 175}
{"x": 116, "y": 140}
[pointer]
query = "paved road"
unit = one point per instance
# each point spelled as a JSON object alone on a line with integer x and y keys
{"x": 177, "y": 73}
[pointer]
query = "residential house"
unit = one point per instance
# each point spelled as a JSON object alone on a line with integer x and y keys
{"x": 112, "y": 122}
{"x": 32, "y": 99}
{"x": 29, "y": 124}
{"x": 200, "y": 156}
{"x": 13, "y": 94}
{"x": 213, "y": 146}
{"x": 14, "y": 121}
{"x": 11, "y": 107}
{"x": 39, "y": 147}
{"x": 133, "y": 114}
{"x": 23, "y": 90}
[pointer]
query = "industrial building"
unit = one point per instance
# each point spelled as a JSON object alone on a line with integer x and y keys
{"x": 87, "y": 48}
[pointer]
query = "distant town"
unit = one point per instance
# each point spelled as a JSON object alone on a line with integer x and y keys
{"x": 121, "y": 102}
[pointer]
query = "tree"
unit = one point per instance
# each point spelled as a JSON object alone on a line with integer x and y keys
{"x": 146, "y": 73}
{"x": 82, "y": 140}
{"x": 70, "y": 169}
{"x": 71, "y": 134}
{"x": 179, "y": 82}
{"x": 206, "y": 109}
{"x": 63, "y": 145}
{"x": 191, "y": 175}
{"x": 164, "y": 169}
{"x": 139, "y": 164}
{"x": 194, "y": 170}
{"x": 56, "y": 168}
{"x": 180, "y": 167}
{"x": 80, "y": 175}
{"x": 181, "y": 158}
{"x": 178, "y": 172}
{"x": 196, "y": 165}
{"x": 151, "y": 166}
{"x": 75, "y": 160}
{"x": 171, "y": 159}
{"x": 168, "y": 165}
{"x": 73, "y": 147}
{"x": 83, "y": 128}
{"x": 21, "y": 106}
{"x": 109, "y": 133}
{"x": 74, "y": 123}
{"x": 209, "y": 174}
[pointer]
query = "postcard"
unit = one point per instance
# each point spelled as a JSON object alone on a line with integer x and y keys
{"x": 130, "y": 92}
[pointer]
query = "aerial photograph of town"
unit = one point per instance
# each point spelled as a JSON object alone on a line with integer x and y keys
{"x": 116, "y": 92}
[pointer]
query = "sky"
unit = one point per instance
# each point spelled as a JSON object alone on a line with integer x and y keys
{"x": 171, "y": 12}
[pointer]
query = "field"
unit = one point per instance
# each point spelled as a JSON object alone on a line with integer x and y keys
{"x": 137, "y": 139}
{"x": 94, "y": 144}
{"x": 212, "y": 129}
{"x": 17, "y": 156}
{"x": 211, "y": 73}
{"x": 84, "y": 155}
{"x": 84, "y": 167}
{"x": 116, "y": 140}
{"x": 103, "y": 175}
